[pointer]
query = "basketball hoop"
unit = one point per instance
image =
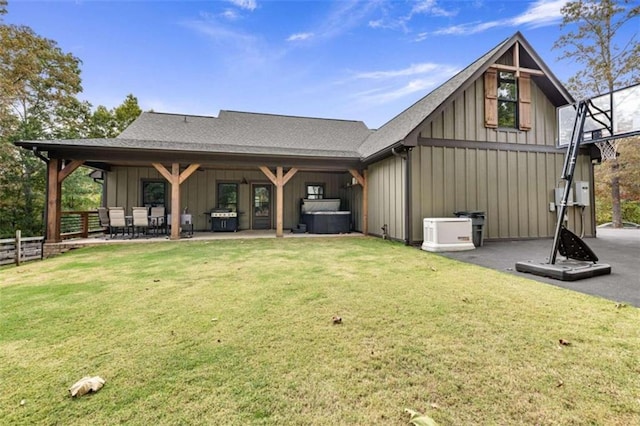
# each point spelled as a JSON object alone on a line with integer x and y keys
{"x": 608, "y": 149}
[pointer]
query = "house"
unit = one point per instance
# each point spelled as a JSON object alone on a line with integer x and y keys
{"x": 484, "y": 140}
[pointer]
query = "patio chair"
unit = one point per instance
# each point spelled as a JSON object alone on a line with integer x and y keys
{"x": 140, "y": 219}
{"x": 103, "y": 216}
{"x": 117, "y": 221}
{"x": 157, "y": 219}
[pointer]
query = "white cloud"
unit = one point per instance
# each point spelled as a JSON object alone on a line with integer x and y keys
{"x": 539, "y": 14}
{"x": 420, "y": 7}
{"x": 300, "y": 37}
{"x": 245, "y": 4}
{"x": 230, "y": 15}
{"x": 410, "y": 70}
{"x": 469, "y": 28}
{"x": 390, "y": 85}
{"x": 430, "y": 7}
{"x": 343, "y": 16}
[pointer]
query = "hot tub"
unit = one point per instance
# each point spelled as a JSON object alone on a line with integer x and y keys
{"x": 324, "y": 217}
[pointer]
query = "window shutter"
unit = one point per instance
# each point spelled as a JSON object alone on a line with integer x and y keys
{"x": 491, "y": 99}
{"x": 524, "y": 90}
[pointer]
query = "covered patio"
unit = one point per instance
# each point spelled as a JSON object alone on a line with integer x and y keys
{"x": 268, "y": 163}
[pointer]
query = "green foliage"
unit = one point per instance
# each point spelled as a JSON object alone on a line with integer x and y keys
{"x": 38, "y": 87}
{"x": 630, "y": 210}
{"x": 628, "y": 172}
{"x": 80, "y": 192}
{"x": 609, "y": 58}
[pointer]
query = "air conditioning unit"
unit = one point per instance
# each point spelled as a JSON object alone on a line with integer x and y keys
{"x": 447, "y": 234}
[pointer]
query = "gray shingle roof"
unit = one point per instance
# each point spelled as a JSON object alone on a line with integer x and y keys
{"x": 250, "y": 133}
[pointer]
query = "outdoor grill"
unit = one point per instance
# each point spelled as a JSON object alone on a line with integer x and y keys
{"x": 223, "y": 220}
{"x": 324, "y": 216}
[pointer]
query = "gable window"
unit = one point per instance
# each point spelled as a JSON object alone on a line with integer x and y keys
{"x": 315, "y": 191}
{"x": 228, "y": 196}
{"x": 154, "y": 193}
{"x": 507, "y": 100}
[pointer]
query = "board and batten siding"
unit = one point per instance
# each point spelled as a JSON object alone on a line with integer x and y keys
{"x": 198, "y": 192}
{"x": 463, "y": 119}
{"x": 514, "y": 188}
{"x": 512, "y": 181}
{"x": 386, "y": 184}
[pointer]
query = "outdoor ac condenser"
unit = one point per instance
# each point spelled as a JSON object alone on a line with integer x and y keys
{"x": 447, "y": 234}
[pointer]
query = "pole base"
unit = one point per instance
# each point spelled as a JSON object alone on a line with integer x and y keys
{"x": 568, "y": 270}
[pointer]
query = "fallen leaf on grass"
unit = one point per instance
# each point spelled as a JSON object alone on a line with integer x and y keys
{"x": 86, "y": 385}
{"x": 419, "y": 419}
{"x": 564, "y": 342}
{"x": 560, "y": 384}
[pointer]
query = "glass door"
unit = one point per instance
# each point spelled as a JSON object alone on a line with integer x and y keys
{"x": 261, "y": 209}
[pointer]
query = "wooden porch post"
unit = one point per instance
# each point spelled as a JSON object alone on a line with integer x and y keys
{"x": 53, "y": 207}
{"x": 279, "y": 180}
{"x": 175, "y": 178}
{"x": 55, "y": 176}
{"x": 363, "y": 181}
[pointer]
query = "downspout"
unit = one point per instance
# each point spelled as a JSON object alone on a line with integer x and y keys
{"x": 405, "y": 155}
{"x": 407, "y": 200}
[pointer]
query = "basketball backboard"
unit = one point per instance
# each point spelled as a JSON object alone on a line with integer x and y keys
{"x": 613, "y": 115}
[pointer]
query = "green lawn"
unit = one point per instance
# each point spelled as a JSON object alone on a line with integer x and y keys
{"x": 241, "y": 332}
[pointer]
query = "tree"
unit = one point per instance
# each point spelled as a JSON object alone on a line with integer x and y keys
{"x": 106, "y": 123}
{"x": 38, "y": 81}
{"x": 38, "y": 88}
{"x": 609, "y": 60}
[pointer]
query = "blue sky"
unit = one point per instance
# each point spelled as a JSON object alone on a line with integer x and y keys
{"x": 356, "y": 60}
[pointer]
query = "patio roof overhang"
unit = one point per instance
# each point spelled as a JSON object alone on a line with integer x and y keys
{"x": 103, "y": 157}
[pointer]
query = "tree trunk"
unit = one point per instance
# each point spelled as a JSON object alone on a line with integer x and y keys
{"x": 616, "y": 211}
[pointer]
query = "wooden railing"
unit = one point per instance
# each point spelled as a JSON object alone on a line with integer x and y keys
{"x": 79, "y": 224}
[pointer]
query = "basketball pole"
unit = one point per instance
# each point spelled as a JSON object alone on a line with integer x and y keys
{"x": 567, "y": 173}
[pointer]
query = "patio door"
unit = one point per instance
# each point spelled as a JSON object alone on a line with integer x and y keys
{"x": 261, "y": 206}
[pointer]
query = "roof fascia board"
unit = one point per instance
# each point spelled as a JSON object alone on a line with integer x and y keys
{"x": 508, "y": 44}
{"x": 543, "y": 66}
{"x": 109, "y": 155}
{"x": 384, "y": 153}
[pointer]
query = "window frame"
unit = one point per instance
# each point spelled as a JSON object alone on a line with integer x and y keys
{"x": 144, "y": 182}
{"x": 219, "y": 204}
{"x": 314, "y": 195}
{"x": 508, "y": 100}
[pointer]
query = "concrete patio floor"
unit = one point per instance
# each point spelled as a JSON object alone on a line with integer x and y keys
{"x": 197, "y": 236}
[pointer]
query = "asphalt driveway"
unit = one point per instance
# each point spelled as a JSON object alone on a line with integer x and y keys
{"x": 620, "y": 248}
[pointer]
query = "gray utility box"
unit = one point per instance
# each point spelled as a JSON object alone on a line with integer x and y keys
{"x": 477, "y": 224}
